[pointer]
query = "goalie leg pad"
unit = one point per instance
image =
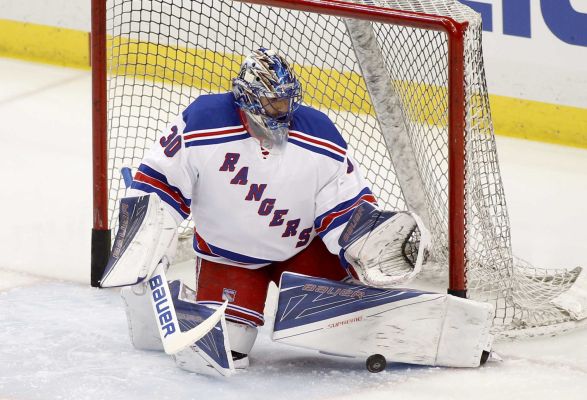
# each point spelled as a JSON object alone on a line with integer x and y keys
{"x": 241, "y": 337}
{"x": 144, "y": 333}
{"x": 214, "y": 353}
{"x": 223, "y": 349}
{"x": 403, "y": 325}
{"x": 195, "y": 358}
{"x": 142, "y": 327}
{"x": 213, "y": 347}
{"x": 211, "y": 354}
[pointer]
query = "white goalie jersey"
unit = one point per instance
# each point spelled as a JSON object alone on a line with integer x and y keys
{"x": 251, "y": 208}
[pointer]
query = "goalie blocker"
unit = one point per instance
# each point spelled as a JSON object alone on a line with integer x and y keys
{"x": 146, "y": 234}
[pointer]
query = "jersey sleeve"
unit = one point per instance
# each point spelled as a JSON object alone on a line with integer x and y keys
{"x": 164, "y": 171}
{"x": 336, "y": 201}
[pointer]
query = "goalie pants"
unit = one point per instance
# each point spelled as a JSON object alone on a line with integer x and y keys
{"x": 246, "y": 289}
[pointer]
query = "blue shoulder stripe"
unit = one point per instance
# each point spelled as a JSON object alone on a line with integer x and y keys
{"x": 211, "y": 111}
{"x": 317, "y": 125}
{"x": 316, "y": 149}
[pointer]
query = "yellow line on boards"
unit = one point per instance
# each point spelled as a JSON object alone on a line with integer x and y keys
{"x": 326, "y": 88}
{"x": 211, "y": 70}
{"x": 44, "y": 44}
{"x": 539, "y": 121}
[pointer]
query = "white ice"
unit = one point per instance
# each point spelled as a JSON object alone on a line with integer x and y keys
{"x": 61, "y": 339}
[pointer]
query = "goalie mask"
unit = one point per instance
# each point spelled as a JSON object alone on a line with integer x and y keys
{"x": 268, "y": 93}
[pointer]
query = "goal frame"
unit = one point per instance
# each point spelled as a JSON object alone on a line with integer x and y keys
{"x": 101, "y": 232}
{"x": 455, "y": 33}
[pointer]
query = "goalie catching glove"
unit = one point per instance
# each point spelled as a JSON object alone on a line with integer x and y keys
{"x": 385, "y": 248}
{"x": 146, "y": 233}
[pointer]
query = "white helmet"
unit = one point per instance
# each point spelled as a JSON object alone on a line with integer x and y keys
{"x": 268, "y": 93}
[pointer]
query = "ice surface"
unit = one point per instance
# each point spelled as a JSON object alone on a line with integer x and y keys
{"x": 61, "y": 339}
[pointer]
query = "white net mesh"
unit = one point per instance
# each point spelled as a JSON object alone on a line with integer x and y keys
{"x": 164, "y": 53}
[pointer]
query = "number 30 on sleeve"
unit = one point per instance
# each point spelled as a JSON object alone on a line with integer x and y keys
{"x": 171, "y": 143}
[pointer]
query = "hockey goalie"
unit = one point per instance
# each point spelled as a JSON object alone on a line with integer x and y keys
{"x": 275, "y": 196}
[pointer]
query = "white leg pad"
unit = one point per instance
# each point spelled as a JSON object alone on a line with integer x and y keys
{"x": 464, "y": 333}
{"x": 190, "y": 360}
{"x": 241, "y": 337}
{"x": 142, "y": 327}
{"x": 403, "y": 325}
{"x": 144, "y": 333}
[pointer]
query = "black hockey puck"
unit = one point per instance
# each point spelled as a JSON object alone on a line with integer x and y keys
{"x": 376, "y": 363}
{"x": 484, "y": 357}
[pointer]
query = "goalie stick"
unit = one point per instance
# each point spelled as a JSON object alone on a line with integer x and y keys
{"x": 172, "y": 338}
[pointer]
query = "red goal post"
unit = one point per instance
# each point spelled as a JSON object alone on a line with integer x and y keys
{"x": 101, "y": 232}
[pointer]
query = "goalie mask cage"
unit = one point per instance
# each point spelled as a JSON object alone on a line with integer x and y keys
{"x": 404, "y": 82}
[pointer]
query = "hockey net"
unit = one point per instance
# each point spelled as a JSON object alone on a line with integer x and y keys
{"x": 387, "y": 87}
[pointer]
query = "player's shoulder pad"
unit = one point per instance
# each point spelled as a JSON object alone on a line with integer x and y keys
{"x": 313, "y": 130}
{"x": 211, "y": 111}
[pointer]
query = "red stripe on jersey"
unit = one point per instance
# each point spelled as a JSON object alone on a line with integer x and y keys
{"x": 195, "y": 135}
{"x": 140, "y": 177}
{"x": 255, "y": 320}
{"x": 202, "y": 244}
{"x": 331, "y": 217}
{"x": 315, "y": 141}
